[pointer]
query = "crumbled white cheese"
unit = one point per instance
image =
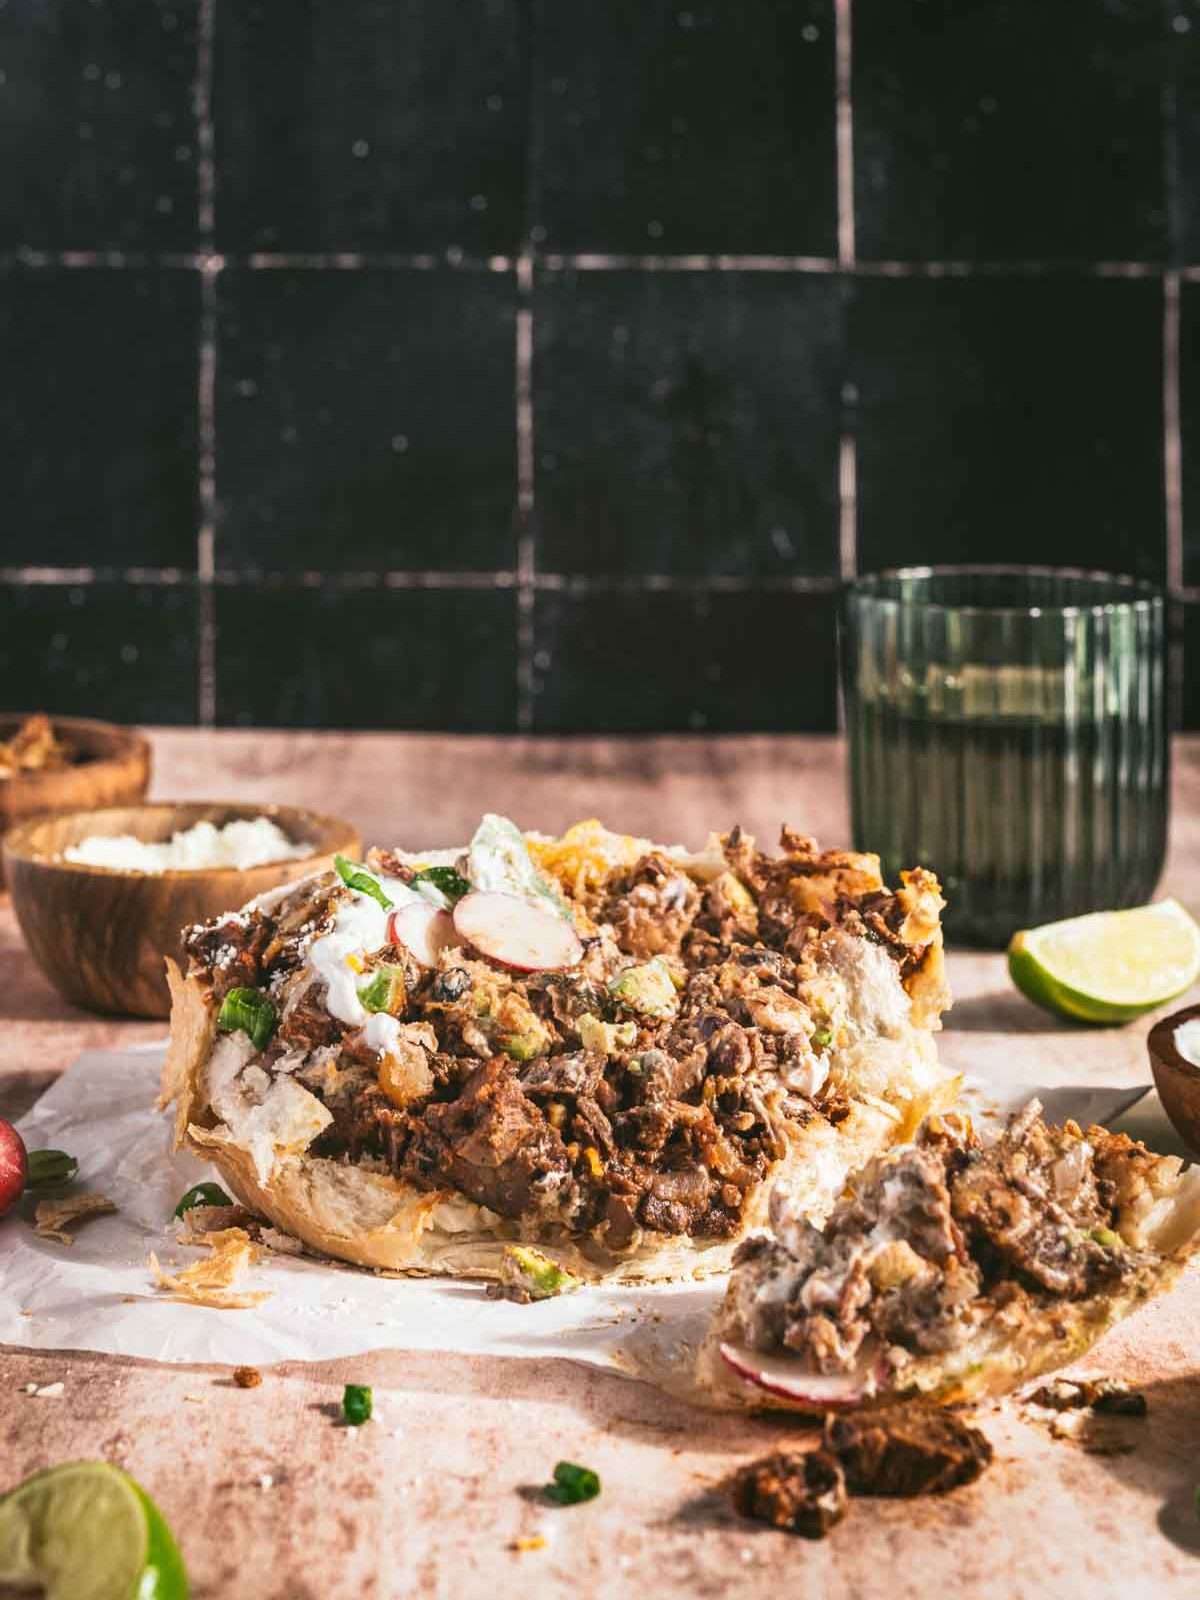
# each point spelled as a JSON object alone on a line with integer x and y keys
{"x": 237, "y": 844}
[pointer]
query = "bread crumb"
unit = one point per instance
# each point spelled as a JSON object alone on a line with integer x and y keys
{"x": 207, "y": 1283}
{"x": 247, "y": 1377}
{"x": 50, "y": 1391}
{"x": 53, "y": 1217}
{"x": 529, "y": 1541}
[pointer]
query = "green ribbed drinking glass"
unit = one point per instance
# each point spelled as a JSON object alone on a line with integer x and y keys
{"x": 1008, "y": 728}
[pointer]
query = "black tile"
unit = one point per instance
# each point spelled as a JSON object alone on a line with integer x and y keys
{"x": 1184, "y": 89}
{"x": 644, "y": 662}
{"x": 708, "y": 126}
{"x": 1189, "y": 406}
{"x": 97, "y": 140}
{"x": 687, "y": 422}
{"x": 375, "y": 126}
{"x": 367, "y": 658}
{"x": 123, "y": 652}
{"x": 366, "y": 420}
{"x": 1010, "y": 420}
{"x": 98, "y": 416}
{"x": 997, "y": 130}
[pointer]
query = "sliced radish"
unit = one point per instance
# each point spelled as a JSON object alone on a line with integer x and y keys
{"x": 516, "y": 933}
{"x": 783, "y": 1377}
{"x": 423, "y": 930}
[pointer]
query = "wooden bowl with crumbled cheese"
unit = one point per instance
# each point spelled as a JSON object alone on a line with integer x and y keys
{"x": 103, "y": 896}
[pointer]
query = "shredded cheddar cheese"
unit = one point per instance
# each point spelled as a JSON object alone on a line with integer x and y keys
{"x": 585, "y": 855}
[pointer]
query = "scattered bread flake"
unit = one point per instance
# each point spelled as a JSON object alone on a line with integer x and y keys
{"x": 199, "y": 1223}
{"x": 283, "y": 1244}
{"x": 530, "y": 1541}
{"x": 208, "y": 1283}
{"x": 50, "y": 1391}
{"x": 53, "y": 1217}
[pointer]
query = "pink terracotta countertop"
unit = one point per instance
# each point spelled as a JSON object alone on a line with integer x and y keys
{"x": 273, "y": 1501}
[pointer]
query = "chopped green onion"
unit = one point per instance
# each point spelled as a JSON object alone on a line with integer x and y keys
{"x": 381, "y": 992}
{"x": 252, "y": 1012}
{"x": 203, "y": 1194}
{"x": 356, "y": 1404}
{"x": 355, "y": 878}
{"x": 452, "y": 884}
{"x": 1106, "y": 1237}
{"x": 49, "y": 1167}
{"x": 572, "y": 1484}
{"x": 823, "y": 1038}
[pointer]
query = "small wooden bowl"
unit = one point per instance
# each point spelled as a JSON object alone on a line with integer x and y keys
{"x": 101, "y": 935}
{"x": 114, "y": 771}
{"x": 1176, "y": 1078}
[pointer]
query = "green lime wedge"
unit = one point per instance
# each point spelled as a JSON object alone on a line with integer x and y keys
{"x": 87, "y": 1531}
{"x": 1109, "y": 966}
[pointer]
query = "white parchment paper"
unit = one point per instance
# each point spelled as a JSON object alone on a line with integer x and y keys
{"x": 97, "y": 1293}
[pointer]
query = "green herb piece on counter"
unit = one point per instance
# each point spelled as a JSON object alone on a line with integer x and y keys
{"x": 649, "y": 989}
{"x": 252, "y": 1012}
{"x": 606, "y": 1037}
{"x": 47, "y": 1167}
{"x": 203, "y": 1194}
{"x": 361, "y": 881}
{"x": 572, "y": 1484}
{"x": 452, "y": 884}
{"x": 823, "y": 1038}
{"x": 357, "y": 1402}
{"x": 529, "y": 1274}
{"x": 1106, "y": 1237}
{"x": 385, "y": 992}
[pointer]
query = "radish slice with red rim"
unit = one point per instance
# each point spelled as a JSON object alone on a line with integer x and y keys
{"x": 515, "y": 933}
{"x": 423, "y": 930}
{"x": 785, "y": 1379}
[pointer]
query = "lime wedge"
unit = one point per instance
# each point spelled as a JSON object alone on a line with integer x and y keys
{"x": 1109, "y": 966}
{"x": 87, "y": 1531}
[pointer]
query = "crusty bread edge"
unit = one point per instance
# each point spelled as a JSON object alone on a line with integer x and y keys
{"x": 373, "y": 1220}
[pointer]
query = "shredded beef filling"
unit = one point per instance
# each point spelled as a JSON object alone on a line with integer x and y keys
{"x": 649, "y": 1088}
{"x": 935, "y": 1237}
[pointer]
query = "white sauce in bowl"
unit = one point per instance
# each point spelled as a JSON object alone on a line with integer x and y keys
{"x": 238, "y": 844}
{"x": 1187, "y": 1040}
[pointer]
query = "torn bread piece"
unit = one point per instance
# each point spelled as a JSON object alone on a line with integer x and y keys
{"x": 953, "y": 1268}
{"x": 53, "y": 1218}
{"x": 594, "y": 1044}
{"x": 209, "y": 1282}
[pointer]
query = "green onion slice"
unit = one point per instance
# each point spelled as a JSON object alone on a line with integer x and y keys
{"x": 379, "y": 994}
{"x": 252, "y": 1012}
{"x": 361, "y": 881}
{"x": 203, "y": 1194}
{"x": 452, "y": 884}
{"x": 357, "y": 1403}
{"x": 572, "y": 1484}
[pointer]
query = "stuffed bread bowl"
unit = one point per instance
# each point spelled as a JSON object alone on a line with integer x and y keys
{"x": 952, "y": 1268}
{"x": 605, "y": 1047}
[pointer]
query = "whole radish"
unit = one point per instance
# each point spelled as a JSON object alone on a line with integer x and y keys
{"x": 14, "y": 1166}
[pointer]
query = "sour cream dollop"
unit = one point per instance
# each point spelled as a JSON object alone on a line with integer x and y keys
{"x": 1187, "y": 1040}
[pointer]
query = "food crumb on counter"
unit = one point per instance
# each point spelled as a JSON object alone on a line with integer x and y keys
{"x": 247, "y": 1377}
{"x": 529, "y": 1541}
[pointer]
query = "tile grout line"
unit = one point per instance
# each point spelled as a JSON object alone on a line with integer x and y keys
{"x": 847, "y": 263}
{"x": 525, "y": 571}
{"x": 589, "y": 261}
{"x": 206, "y": 370}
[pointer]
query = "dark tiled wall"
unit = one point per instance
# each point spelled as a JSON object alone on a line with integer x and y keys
{"x": 521, "y": 364}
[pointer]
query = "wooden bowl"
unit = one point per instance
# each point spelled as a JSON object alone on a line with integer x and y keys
{"x": 1175, "y": 1077}
{"x": 101, "y": 935}
{"x": 114, "y": 771}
